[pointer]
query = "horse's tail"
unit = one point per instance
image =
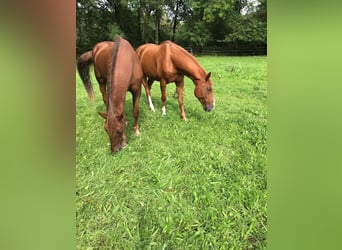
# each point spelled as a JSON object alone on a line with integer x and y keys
{"x": 83, "y": 63}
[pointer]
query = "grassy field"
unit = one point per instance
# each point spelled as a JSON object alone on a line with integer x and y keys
{"x": 199, "y": 184}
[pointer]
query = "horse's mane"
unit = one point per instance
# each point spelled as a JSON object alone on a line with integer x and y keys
{"x": 184, "y": 53}
{"x": 112, "y": 64}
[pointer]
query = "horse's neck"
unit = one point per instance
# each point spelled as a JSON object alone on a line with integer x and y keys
{"x": 115, "y": 110}
{"x": 115, "y": 101}
{"x": 191, "y": 68}
{"x": 196, "y": 75}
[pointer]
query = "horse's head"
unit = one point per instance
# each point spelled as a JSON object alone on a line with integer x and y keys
{"x": 115, "y": 127}
{"x": 204, "y": 93}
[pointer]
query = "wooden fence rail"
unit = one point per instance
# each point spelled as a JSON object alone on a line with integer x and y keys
{"x": 229, "y": 51}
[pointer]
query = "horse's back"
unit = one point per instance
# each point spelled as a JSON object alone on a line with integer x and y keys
{"x": 148, "y": 53}
{"x": 102, "y": 45}
{"x": 143, "y": 48}
{"x": 128, "y": 67}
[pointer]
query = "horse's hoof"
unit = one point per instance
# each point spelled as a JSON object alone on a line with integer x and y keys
{"x": 184, "y": 117}
{"x": 164, "y": 110}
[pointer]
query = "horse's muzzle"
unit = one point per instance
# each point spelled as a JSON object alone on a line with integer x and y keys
{"x": 115, "y": 149}
{"x": 118, "y": 147}
{"x": 208, "y": 107}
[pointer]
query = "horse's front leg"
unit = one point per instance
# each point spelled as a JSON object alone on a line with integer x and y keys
{"x": 179, "y": 90}
{"x": 163, "y": 95}
{"x": 136, "y": 98}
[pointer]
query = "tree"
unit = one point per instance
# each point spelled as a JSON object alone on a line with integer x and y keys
{"x": 177, "y": 12}
{"x": 195, "y": 23}
{"x": 93, "y": 24}
{"x": 194, "y": 30}
{"x": 149, "y": 15}
{"x": 250, "y": 26}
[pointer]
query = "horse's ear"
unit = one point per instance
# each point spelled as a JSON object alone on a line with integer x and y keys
{"x": 104, "y": 115}
{"x": 209, "y": 74}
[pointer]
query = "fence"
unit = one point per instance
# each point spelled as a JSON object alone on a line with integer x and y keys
{"x": 229, "y": 50}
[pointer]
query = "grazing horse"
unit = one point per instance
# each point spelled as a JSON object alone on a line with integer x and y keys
{"x": 124, "y": 74}
{"x": 169, "y": 62}
{"x": 100, "y": 56}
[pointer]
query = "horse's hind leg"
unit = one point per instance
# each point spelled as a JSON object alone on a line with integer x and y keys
{"x": 136, "y": 98}
{"x": 103, "y": 87}
{"x": 147, "y": 86}
{"x": 163, "y": 95}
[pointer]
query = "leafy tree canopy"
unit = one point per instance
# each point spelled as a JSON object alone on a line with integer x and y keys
{"x": 188, "y": 22}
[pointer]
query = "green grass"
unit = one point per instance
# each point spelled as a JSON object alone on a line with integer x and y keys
{"x": 199, "y": 184}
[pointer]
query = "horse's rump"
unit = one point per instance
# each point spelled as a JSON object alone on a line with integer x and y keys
{"x": 158, "y": 61}
{"x": 102, "y": 55}
{"x": 150, "y": 57}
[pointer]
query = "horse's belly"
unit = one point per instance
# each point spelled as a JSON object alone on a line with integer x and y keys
{"x": 152, "y": 74}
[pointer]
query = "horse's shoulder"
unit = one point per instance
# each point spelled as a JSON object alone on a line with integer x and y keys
{"x": 164, "y": 51}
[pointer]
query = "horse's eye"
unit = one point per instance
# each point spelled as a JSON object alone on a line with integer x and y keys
{"x": 209, "y": 89}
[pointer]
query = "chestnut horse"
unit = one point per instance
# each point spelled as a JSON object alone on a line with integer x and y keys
{"x": 168, "y": 62}
{"x": 100, "y": 56}
{"x": 124, "y": 74}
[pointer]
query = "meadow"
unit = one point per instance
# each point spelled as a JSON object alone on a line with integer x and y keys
{"x": 199, "y": 184}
